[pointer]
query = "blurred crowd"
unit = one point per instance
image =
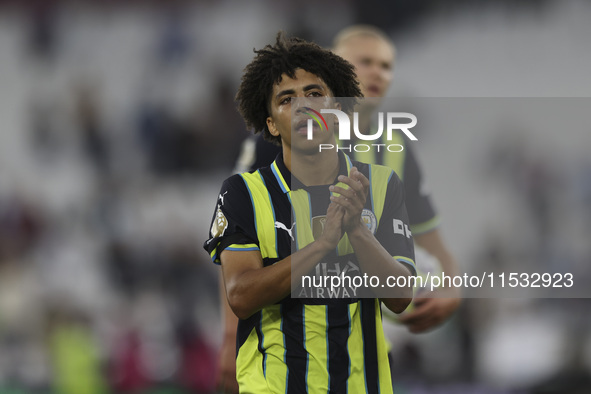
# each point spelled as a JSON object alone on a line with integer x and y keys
{"x": 118, "y": 125}
{"x": 104, "y": 286}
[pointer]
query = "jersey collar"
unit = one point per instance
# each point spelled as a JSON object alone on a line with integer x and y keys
{"x": 287, "y": 182}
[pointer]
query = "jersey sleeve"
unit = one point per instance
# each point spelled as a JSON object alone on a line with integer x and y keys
{"x": 265, "y": 153}
{"x": 232, "y": 226}
{"x": 247, "y": 155}
{"x": 255, "y": 153}
{"x": 421, "y": 212}
{"x": 394, "y": 231}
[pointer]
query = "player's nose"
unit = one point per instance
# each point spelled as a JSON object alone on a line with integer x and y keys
{"x": 299, "y": 104}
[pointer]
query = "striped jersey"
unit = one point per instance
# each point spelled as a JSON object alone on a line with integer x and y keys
{"x": 257, "y": 152}
{"x": 315, "y": 343}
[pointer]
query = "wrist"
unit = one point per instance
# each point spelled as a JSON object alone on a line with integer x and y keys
{"x": 360, "y": 229}
{"x": 323, "y": 246}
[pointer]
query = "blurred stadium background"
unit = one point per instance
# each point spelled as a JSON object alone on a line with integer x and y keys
{"x": 118, "y": 126}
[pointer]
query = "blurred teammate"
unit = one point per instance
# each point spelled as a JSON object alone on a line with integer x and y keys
{"x": 373, "y": 55}
{"x": 296, "y": 345}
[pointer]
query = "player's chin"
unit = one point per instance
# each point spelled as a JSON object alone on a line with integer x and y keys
{"x": 306, "y": 146}
{"x": 306, "y": 150}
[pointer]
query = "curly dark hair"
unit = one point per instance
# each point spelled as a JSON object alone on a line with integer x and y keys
{"x": 287, "y": 55}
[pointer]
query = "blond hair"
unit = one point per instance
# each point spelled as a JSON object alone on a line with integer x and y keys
{"x": 355, "y": 31}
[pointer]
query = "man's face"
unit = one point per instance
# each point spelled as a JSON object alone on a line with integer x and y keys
{"x": 288, "y": 117}
{"x": 373, "y": 59}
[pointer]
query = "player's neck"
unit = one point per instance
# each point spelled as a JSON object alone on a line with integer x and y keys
{"x": 318, "y": 169}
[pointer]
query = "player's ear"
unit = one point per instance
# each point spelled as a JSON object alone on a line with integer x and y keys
{"x": 272, "y": 128}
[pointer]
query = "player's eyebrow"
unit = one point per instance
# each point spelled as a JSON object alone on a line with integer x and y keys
{"x": 285, "y": 92}
{"x": 313, "y": 86}
{"x": 306, "y": 88}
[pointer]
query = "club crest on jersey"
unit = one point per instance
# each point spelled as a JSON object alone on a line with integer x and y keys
{"x": 370, "y": 220}
{"x": 220, "y": 223}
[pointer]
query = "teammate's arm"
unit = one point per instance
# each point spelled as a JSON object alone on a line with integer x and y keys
{"x": 433, "y": 243}
{"x": 432, "y": 311}
{"x": 429, "y": 312}
{"x": 250, "y": 286}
